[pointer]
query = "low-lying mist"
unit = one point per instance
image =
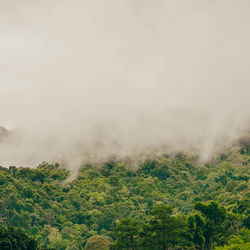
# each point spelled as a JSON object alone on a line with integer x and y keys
{"x": 84, "y": 80}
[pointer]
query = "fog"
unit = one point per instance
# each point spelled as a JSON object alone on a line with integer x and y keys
{"x": 83, "y": 80}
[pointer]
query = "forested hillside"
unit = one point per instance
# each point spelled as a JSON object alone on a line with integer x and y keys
{"x": 166, "y": 202}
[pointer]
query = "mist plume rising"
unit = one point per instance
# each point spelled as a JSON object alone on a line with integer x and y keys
{"x": 92, "y": 79}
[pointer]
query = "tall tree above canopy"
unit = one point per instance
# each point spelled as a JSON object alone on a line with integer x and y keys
{"x": 215, "y": 216}
{"x": 163, "y": 230}
{"x": 196, "y": 227}
{"x": 126, "y": 233}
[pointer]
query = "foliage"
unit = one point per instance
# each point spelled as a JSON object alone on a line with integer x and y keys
{"x": 97, "y": 242}
{"x": 164, "y": 231}
{"x": 240, "y": 241}
{"x": 64, "y": 214}
{"x": 196, "y": 226}
{"x": 215, "y": 217}
{"x": 126, "y": 233}
{"x": 16, "y": 238}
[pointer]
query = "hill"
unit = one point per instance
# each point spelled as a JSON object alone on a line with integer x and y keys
{"x": 63, "y": 214}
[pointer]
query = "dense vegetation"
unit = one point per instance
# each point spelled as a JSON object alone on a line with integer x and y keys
{"x": 164, "y": 203}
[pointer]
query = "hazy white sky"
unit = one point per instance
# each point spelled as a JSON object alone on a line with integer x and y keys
{"x": 128, "y": 73}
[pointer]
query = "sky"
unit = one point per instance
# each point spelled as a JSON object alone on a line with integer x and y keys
{"x": 101, "y": 78}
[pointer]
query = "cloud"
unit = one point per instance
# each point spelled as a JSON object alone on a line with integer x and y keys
{"x": 115, "y": 77}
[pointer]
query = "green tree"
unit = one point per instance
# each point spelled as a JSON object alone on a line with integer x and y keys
{"x": 163, "y": 230}
{"x": 16, "y": 239}
{"x": 240, "y": 241}
{"x": 196, "y": 227}
{"x": 97, "y": 242}
{"x": 126, "y": 233}
{"x": 214, "y": 218}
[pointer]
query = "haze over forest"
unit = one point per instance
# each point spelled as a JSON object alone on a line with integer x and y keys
{"x": 96, "y": 78}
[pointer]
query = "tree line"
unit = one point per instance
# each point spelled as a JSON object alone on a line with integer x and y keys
{"x": 74, "y": 214}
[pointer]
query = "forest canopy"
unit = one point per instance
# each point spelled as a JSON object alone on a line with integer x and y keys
{"x": 168, "y": 201}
